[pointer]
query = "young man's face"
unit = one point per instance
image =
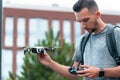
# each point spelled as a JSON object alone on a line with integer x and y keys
{"x": 87, "y": 19}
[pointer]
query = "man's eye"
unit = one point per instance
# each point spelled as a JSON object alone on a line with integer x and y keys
{"x": 86, "y": 20}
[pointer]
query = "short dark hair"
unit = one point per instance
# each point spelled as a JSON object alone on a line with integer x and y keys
{"x": 89, "y": 4}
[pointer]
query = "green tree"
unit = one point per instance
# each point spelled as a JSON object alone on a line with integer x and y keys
{"x": 34, "y": 70}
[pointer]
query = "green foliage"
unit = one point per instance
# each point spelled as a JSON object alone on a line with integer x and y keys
{"x": 34, "y": 70}
{"x": 11, "y": 76}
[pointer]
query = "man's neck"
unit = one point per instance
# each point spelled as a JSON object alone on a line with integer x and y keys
{"x": 100, "y": 26}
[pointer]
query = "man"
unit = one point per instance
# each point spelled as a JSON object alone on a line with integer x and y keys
{"x": 98, "y": 63}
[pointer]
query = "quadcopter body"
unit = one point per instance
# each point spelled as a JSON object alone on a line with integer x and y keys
{"x": 37, "y": 50}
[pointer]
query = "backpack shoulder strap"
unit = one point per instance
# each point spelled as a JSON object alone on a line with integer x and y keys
{"x": 111, "y": 44}
{"x": 83, "y": 44}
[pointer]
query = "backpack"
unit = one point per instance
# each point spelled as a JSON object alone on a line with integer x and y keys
{"x": 111, "y": 44}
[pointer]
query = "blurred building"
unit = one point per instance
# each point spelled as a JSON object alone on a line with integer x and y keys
{"x": 24, "y": 25}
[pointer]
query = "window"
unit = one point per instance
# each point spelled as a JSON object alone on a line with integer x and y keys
{"x": 32, "y": 31}
{"x": 77, "y": 31}
{"x": 67, "y": 31}
{"x": 55, "y": 27}
{"x": 7, "y": 57}
{"x": 43, "y": 27}
{"x": 37, "y": 30}
{"x": 21, "y": 32}
{"x": 9, "y": 31}
{"x": 20, "y": 56}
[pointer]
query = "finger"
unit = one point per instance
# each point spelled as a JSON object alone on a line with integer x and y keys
{"x": 90, "y": 76}
{"x": 37, "y": 55}
{"x": 79, "y": 75}
{"x": 84, "y": 66}
{"x": 81, "y": 71}
{"x": 40, "y": 55}
{"x": 75, "y": 64}
{"x": 84, "y": 75}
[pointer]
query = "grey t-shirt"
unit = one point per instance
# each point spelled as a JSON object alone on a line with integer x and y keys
{"x": 96, "y": 52}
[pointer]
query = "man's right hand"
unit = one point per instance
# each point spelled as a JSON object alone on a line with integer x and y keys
{"x": 44, "y": 59}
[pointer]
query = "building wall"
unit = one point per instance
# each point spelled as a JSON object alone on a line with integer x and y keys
{"x": 113, "y": 19}
{"x": 21, "y": 27}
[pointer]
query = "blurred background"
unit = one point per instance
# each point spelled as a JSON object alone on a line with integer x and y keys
{"x": 29, "y": 23}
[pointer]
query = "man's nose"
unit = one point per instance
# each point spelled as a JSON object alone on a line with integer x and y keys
{"x": 83, "y": 25}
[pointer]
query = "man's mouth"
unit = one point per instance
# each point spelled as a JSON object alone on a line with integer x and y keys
{"x": 90, "y": 29}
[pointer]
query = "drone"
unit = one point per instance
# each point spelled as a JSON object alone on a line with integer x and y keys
{"x": 38, "y": 50}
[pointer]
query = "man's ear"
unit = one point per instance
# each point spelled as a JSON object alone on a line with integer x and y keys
{"x": 98, "y": 14}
